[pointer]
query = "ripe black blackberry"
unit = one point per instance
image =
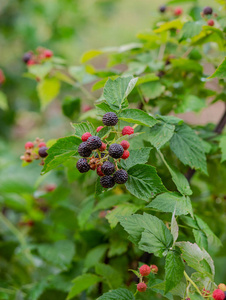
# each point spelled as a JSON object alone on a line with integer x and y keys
{"x": 110, "y": 119}
{"x": 116, "y": 150}
{"x": 27, "y": 56}
{"x": 42, "y": 151}
{"x": 108, "y": 168}
{"x": 162, "y": 8}
{"x": 107, "y": 181}
{"x": 94, "y": 142}
{"x": 82, "y": 165}
{"x": 84, "y": 150}
{"x": 207, "y": 10}
{"x": 120, "y": 176}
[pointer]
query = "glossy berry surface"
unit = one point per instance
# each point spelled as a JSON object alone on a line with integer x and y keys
{"x": 218, "y": 295}
{"x": 99, "y": 128}
{"x": 99, "y": 172}
{"x": 84, "y": 150}
{"x": 103, "y": 147}
{"x": 125, "y": 154}
{"x": 82, "y": 165}
{"x": 29, "y": 145}
{"x": 94, "y": 142}
{"x": 110, "y": 119}
{"x": 127, "y": 130}
{"x": 107, "y": 181}
{"x": 210, "y": 22}
{"x": 145, "y": 270}
{"x": 207, "y": 10}
{"x": 85, "y": 136}
{"x": 120, "y": 176}
{"x": 42, "y": 151}
{"x": 108, "y": 168}
{"x": 125, "y": 144}
{"x": 162, "y": 8}
{"x": 115, "y": 151}
{"x": 141, "y": 287}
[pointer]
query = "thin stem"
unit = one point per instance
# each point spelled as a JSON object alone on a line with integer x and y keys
{"x": 192, "y": 282}
{"x": 161, "y": 51}
{"x": 187, "y": 52}
{"x": 135, "y": 293}
{"x": 142, "y": 99}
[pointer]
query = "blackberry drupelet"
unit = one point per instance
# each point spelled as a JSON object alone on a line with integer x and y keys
{"x": 82, "y": 165}
{"x": 120, "y": 176}
{"x": 207, "y": 10}
{"x": 107, "y": 181}
{"x": 116, "y": 150}
{"x": 94, "y": 142}
{"x": 108, "y": 168}
{"x": 84, "y": 150}
{"x": 110, "y": 119}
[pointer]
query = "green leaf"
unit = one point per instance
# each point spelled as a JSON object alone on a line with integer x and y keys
{"x": 108, "y": 202}
{"x": 147, "y": 78}
{"x": 177, "y": 24}
{"x": 138, "y": 117}
{"x": 196, "y": 258}
{"x": 222, "y": 145}
{"x": 174, "y": 228}
{"x": 90, "y": 54}
{"x": 81, "y": 128}
{"x": 40, "y": 71}
{"x": 3, "y": 101}
{"x": 168, "y": 202}
{"x": 190, "y": 103}
{"x": 143, "y": 182}
{"x": 152, "y": 90}
{"x": 174, "y": 270}
{"x": 104, "y": 132}
{"x": 95, "y": 255}
{"x": 160, "y": 134}
{"x": 59, "y": 254}
{"x": 119, "y": 294}
{"x": 86, "y": 210}
{"x": 82, "y": 283}
{"x": 48, "y": 89}
{"x": 200, "y": 238}
{"x": 190, "y": 29}
{"x": 185, "y": 64}
{"x": 112, "y": 276}
{"x": 71, "y": 106}
{"x": 149, "y": 232}
{"x": 188, "y": 148}
{"x": 178, "y": 290}
{"x": 116, "y": 91}
{"x": 62, "y": 150}
{"x": 140, "y": 156}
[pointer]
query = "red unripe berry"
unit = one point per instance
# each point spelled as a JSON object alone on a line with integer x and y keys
{"x": 31, "y": 62}
{"x": 29, "y": 145}
{"x": 125, "y": 154}
{"x": 48, "y": 53}
{"x": 210, "y": 22}
{"x": 154, "y": 269}
{"x": 86, "y": 108}
{"x": 127, "y": 130}
{"x": 218, "y": 295}
{"x": 85, "y": 136}
{"x": 103, "y": 147}
{"x": 145, "y": 270}
{"x": 141, "y": 287}
{"x": 99, "y": 172}
{"x": 125, "y": 144}
{"x": 178, "y": 11}
{"x": 50, "y": 187}
{"x": 99, "y": 128}
{"x": 42, "y": 144}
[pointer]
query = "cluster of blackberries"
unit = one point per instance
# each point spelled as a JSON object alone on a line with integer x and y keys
{"x": 30, "y": 58}
{"x": 100, "y": 160}
{"x": 34, "y": 151}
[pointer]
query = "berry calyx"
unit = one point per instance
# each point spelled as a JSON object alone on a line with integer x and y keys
{"x": 127, "y": 130}
{"x": 84, "y": 150}
{"x": 207, "y": 10}
{"x": 82, "y": 165}
{"x": 145, "y": 270}
{"x": 107, "y": 181}
{"x": 29, "y": 145}
{"x": 125, "y": 144}
{"x": 103, "y": 147}
{"x": 85, "y": 136}
{"x": 154, "y": 269}
{"x": 42, "y": 151}
{"x": 120, "y": 176}
{"x": 141, "y": 287}
{"x": 125, "y": 154}
{"x": 94, "y": 142}
{"x": 210, "y": 22}
{"x": 99, "y": 172}
{"x": 99, "y": 128}
{"x": 42, "y": 144}
{"x": 218, "y": 295}
{"x": 47, "y": 53}
{"x": 108, "y": 168}
{"x": 222, "y": 287}
{"x": 115, "y": 151}
{"x": 178, "y": 11}
{"x": 162, "y": 8}
{"x": 27, "y": 56}
{"x": 110, "y": 119}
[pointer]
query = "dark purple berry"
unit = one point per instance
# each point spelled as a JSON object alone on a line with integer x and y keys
{"x": 27, "y": 56}
{"x": 42, "y": 151}
{"x": 94, "y": 142}
{"x": 207, "y": 10}
{"x": 110, "y": 119}
{"x": 84, "y": 150}
{"x": 116, "y": 150}
{"x": 162, "y": 8}
{"x": 120, "y": 176}
{"x": 107, "y": 181}
{"x": 108, "y": 168}
{"x": 82, "y": 165}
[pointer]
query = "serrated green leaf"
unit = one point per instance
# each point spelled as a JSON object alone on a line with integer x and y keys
{"x": 140, "y": 156}
{"x": 112, "y": 276}
{"x": 143, "y": 182}
{"x": 48, "y": 89}
{"x": 168, "y": 202}
{"x": 200, "y": 239}
{"x": 152, "y": 90}
{"x": 138, "y": 117}
{"x": 147, "y": 78}
{"x": 119, "y": 294}
{"x": 62, "y": 150}
{"x": 160, "y": 134}
{"x": 174, "y": 228}
{"x": 188, "y": 148}
{"x": 178, "y": 290}
{"x": 174, "y": 270}
{"x": 81, "y": 128}
{"x": 103, "y": 108}
{"x": 222, "y": 145}
{"x": 191, "y": 29}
